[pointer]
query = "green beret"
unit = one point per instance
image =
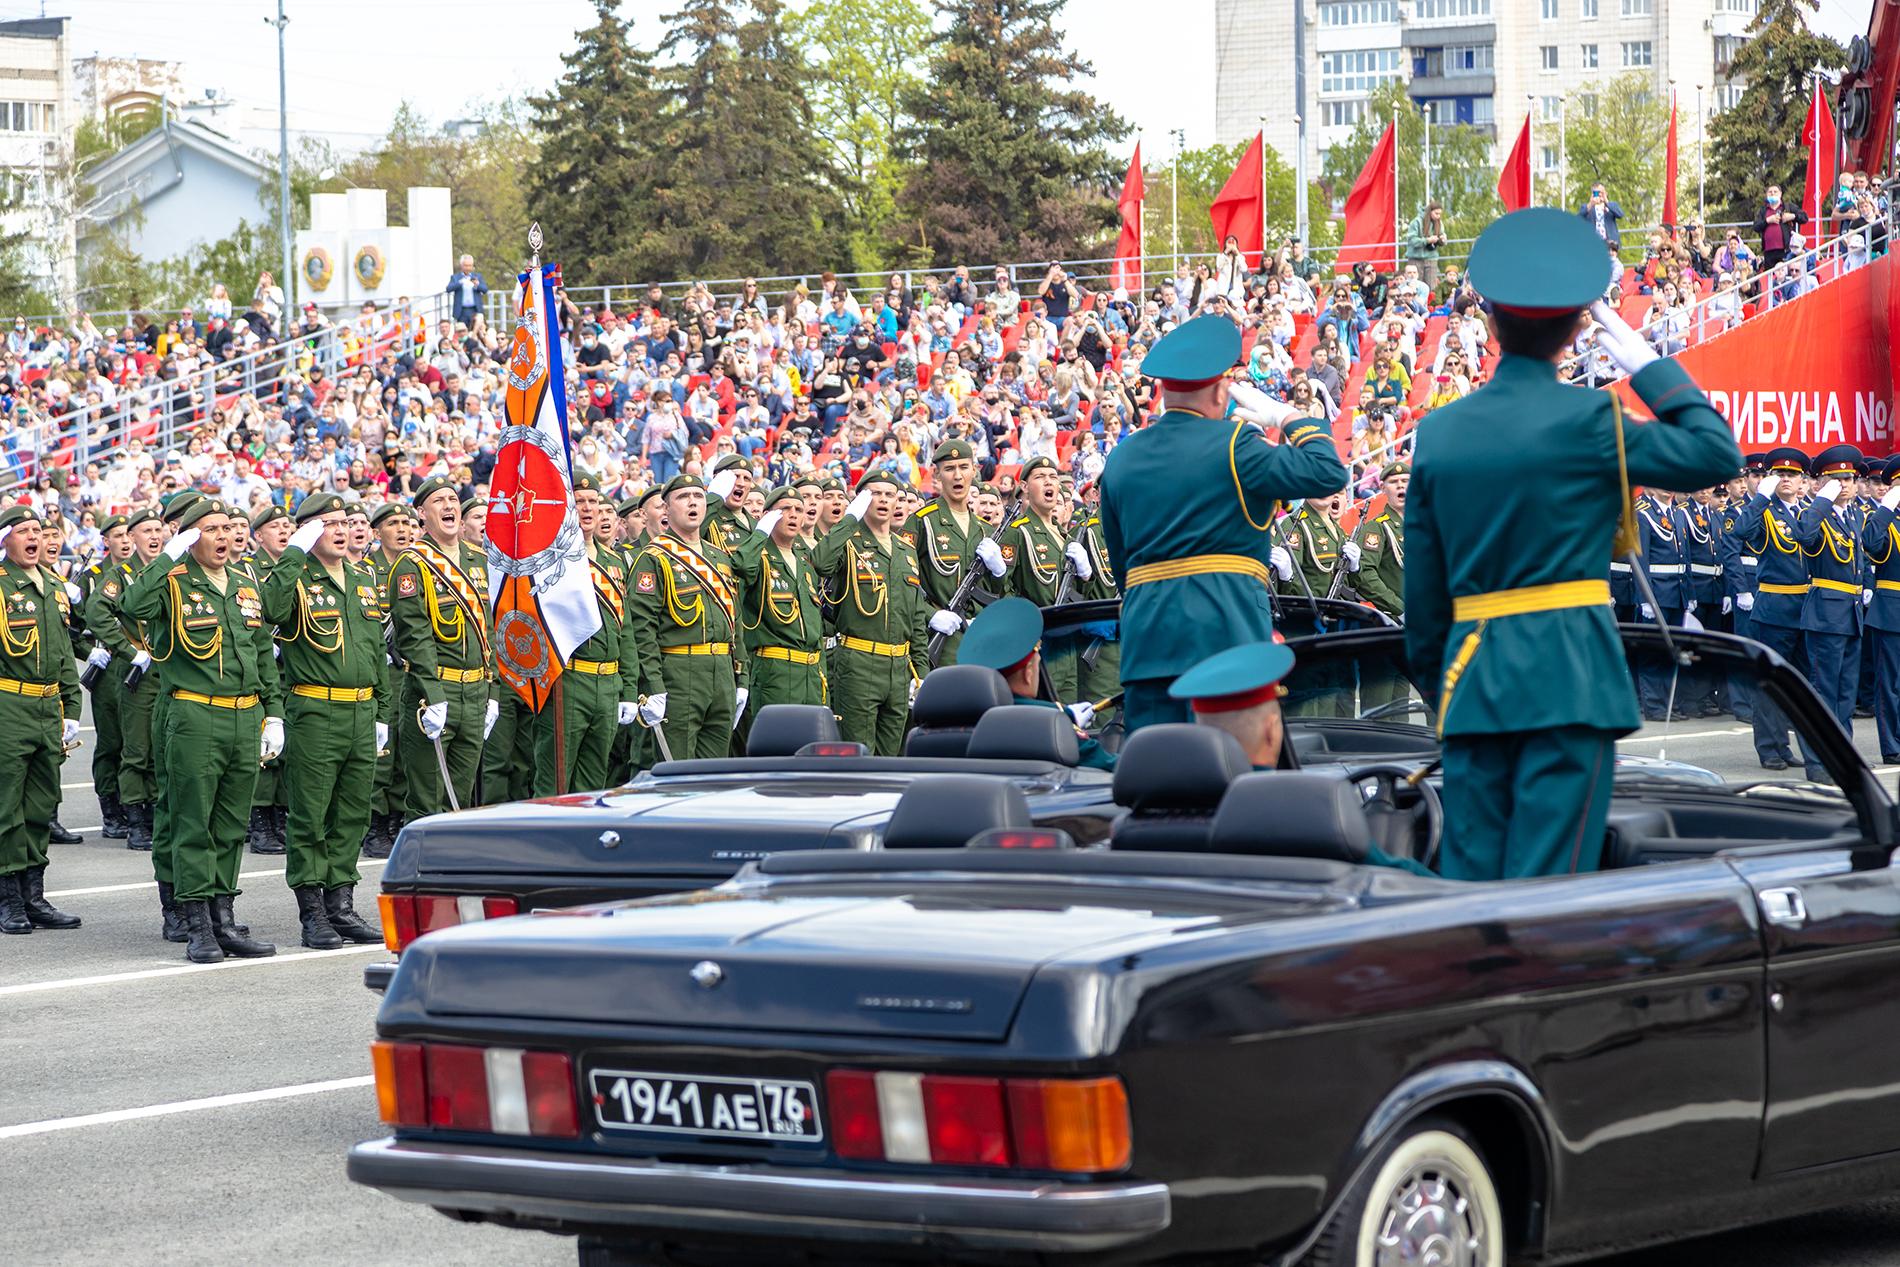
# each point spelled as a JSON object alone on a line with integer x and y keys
{"x": 1541, "y": 261}
{"x": 204, "y": 508}
{"x": 144, "y": 515}
{"x": 628, "y": 506}
{"x": 1239, "y": 677}
{"x": 1036, "y": 464}
{"x": 778, "y": 495}
{"x": 112, "y": 521}
{"x": 387, "y": 511}
{"x": 318, "y": 504}
{"x": 729, "y": 461}
{"x": 18, "y": 515}
{"x": 1394, "y": 468}
{"x": 1200, "y": 350}
{"x": 658, "y": 490}
{"x": 684, "y": 481}
{"x": 954, "y": 451}
{"x": 1002, "y": 635}
{"x": 430, "y": 487}
{"x": 589, "y": 482}
{"x": 274, "y": 511}
{"x": 879, "y": 476}
{"x": 176, "y": 504}
{"x": 470, "y": 502}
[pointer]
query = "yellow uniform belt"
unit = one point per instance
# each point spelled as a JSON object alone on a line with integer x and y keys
{"x": 335, "y": 694}
{"x": 461, "y": 675}
{"x": 38, "y": 690}
{"x": 699, "y": 648}
{"x": 1768, "y": 588}
{"x": 892, "y": 649}
{"x": 1887, "y": 585}
{"x": 1532, "y": 598}
{"x": 811, "y": 657}
{"x": 599, "y": 668}
{"x": 1199, "y": 565}
{"x": 217, "y": 701}
{"x": 1845, "y": 587}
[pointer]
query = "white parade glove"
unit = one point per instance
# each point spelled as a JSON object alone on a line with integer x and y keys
{"x": 1351, "y": 551}
{"x": 1830, "y": 491}
{"x": 1080, "y": 557}
{"x": 273, "y": 739}
{"x": 629, "y": 712}
{"x": 990, "y": 555}
{"x": 1082, "y": 713}
{"x": 914, "y": 684}
{"x": 859, "y": 504}
{"x": 653, "y": 709}
{"x": 1646, "y": 611}
{"x": 722, "y": 484}
{"x": 176, "y": 548}
{"x": 99, "y": 658}
{"x": 435, "y": 719}
{"x": 945, "y": 622}
{"x": 69, "y": 732}
{"x": 142, "y": 661}
{"x": 1689, "y": 621}
{"x": 1628, "y": 349}
{"x": 769, "y": 520}
{"x": 382, "y": 737}
{"x": 1282, "y": 561}
{"x": 1745, "y": 601}
{"x": 72, "y": 593}
{"x": 1728, "y": 604}
{"x": 738, "y": 706}
{"x": 5, "y": 533}
{"x": 306, "y": 536}
{"x": 1892, "y": 500}
{"x": 1256, "y": 406}
{"x": 1866, "y": 598}
{"x": 488, "y": 721}
{"x": 1691, "y": 606}
{"x": 1768, "y": 485}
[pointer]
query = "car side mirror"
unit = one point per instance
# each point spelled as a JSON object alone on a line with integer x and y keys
{"x": 1875, "y": 851}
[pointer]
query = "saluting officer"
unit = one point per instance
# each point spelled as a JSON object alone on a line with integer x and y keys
{"x": 945, "y": 531}
{"x": 270, "y": 531}
{"x": 781, "y": 610}
{"x": 395, "y": 527}
{"x": 438, "y": 599}
{"x": 336, "y": 720}
{"x": 727, "y": 524}
{"x": 1038, "y": 551}
{"x": 105, "y": 679}
{"x": 1098, "y": 657}
{"x": 1768, "y": 526}
{"x": 1829, "y": 531}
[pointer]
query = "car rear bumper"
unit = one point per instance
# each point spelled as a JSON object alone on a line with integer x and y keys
{"x": 377, "y": 976}
{"x": 752, "y": 1201}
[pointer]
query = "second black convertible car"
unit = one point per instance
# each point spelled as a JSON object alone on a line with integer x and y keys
{"x": 1219, "y": 1036}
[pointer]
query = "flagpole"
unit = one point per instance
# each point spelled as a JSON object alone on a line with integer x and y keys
{"x": 1530, "y": 150}
{"x": 1563, "y": 151}
{"x": 1425, "y": 118}
{"x": 1395, "y": 185}
{"x": 1263, "y": 197}
{"x": 1141, "y": 226}
{"x": 1174, "y": 203}
{"x": 1701, "y": 171}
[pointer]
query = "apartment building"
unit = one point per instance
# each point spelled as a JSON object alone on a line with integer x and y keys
{"x": 37, "y": 116}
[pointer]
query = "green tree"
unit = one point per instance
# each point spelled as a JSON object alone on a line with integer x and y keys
{"x": 1195, "y": 182}
{"x": 1463, "y": 173}
{"x": 1757, "y": 141}
{"x": 1618, "y": 136}
{"x": 1009, "y": 158}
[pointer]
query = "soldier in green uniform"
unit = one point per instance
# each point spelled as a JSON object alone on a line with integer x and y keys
{"x": 362, "y": 536}
{"x": 174, "y": 927}
{"x": 438, "y": 598}
{"x": 1098, "y": 658}
{"x": 395, "y": 527}
{"x": 330, "y": 630}
{"x": 1007, "y": 636}
{"x": 1191, "y": 562}
{"x": 136, "y": 686}
{"x": 106, "y": 679}
{"x": 270, "y": 530}
{"x": 684, "y": 603}
{"x": 944, "y": 532}
{"x": 726, "y": 521}
{"x": 1038, "y": 553}
{"x": 508, "y": 760}
{"x": 225, "y": 712}
{"x": 1518, "y": 648}
{"x": 881, "y": 653}
{"x": 39, "y": 717}
{"x": 781, "y": 607}
{"x": 1380, "y": 579}
{"x": 1315, "y": 547}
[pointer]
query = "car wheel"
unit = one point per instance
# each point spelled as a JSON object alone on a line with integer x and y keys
{"x": 1428, "y": 1201}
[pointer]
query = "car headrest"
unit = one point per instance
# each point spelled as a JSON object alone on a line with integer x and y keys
{"x": 1288, "y": 814}
{"x": 956, "y": 695}
{"x": 1177, "y": 766}
{"x": 780, "y": 730}
{"x": 947, "y": 811}
{"x": 1025, "y": 732}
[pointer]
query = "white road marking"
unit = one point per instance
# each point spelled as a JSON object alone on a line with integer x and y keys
{"x": 147, "y": 974}
{"x": 1688, "y": 734}
{"x": 182, "y": 1106}
{"x": 153, "y": 884}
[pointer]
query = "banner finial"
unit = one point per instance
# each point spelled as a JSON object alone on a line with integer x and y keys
{"x": 534, "y": 240}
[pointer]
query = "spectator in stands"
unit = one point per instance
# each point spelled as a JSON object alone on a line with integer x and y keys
{"x": 1776, "y": 223}
{"x": 1345, "y": 323}
{"x": 1425, "y": 237}
{"x": 1603, "y": 215}
{"x": 1370, "y": 284}
{"x": 1059, "y": 295}
{"x": 268, "y": 299}
{"x": 1230, "y": 272}
{"x": 1734, "y": 254}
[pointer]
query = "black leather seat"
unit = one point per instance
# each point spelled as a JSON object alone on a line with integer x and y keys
{"x": 949, "y": 702}
{"x": 947, "y": 811}
{"x": 1024, "y": 732}
{"x": 780, "y": 730}
{"x": 1171, "y": 778}
{"x": 1288, "y": 814}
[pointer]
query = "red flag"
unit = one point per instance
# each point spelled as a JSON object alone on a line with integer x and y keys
{"x": 1514, "y": 181}
{"x": 1125, "y": 272}
{"x": 1669, "y": 168}
{"x": 1372, "y": 212}
{"x": 1240, "y": 208}
{"x": 1819, "y": 135}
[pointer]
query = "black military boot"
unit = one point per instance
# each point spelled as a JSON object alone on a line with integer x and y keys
{"x": 60, "y": 836}
{"x": 139, "y": 826}
{"x": 280, "y": 827}
{"x": 317, "y": 933}
{"x": 112, "y": 817}
{"x": 263, "y": 832}
{"x": 13, "y": 918}
{"x": 202, "y": 932}
{"x": 233, "y": 938}
{"x": 339, "y": 903}
{"x": 175, "y": 928}
{"x": 41, "y": 912}
{"x": 379, "y": 838}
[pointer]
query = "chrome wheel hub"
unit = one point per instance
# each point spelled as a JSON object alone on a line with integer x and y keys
{"x": 1430, "y": 1220}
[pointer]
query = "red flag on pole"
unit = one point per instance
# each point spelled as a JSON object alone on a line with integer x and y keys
{"x": 1514, "y": 181}
{"x": 1669, "y": 168}
{"x": 1239, "y": 208}
{"x": 1819, "y": 135}
{"x": 1372, "y": 218}
{"x": 1126, "y": 270}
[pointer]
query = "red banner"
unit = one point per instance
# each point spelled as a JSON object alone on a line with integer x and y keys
{"x": 1669, "y": 169}
{"x": 1125, "y": 272}
{"x": 1372, "y": 212}
{"x": 1514, "y": 179}
{"x": 1240, "y": 209}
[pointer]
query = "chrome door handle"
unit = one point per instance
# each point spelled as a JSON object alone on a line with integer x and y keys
{"x": 1783, "y": 907}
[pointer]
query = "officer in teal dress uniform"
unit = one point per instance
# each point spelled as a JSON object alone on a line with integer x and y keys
{"x": 1187, "y": 505}
{"x": 1007, "y": 636}
{"x": 1518, "y": 648}
{"x": 1829, "y": 530}
{"x": 1880, "y": 544}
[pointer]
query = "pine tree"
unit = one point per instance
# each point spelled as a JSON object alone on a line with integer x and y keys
{"x": 1009, "y": 159}
{"x": 1757, "y": 141}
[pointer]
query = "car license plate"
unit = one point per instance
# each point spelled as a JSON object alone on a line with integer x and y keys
{"x": 683, "y": 1104}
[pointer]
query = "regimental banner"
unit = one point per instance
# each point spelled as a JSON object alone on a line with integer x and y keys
{"x": 540, "y": 589}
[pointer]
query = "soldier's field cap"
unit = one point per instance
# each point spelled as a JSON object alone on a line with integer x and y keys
{"x": 954, "y": 451}
{"x": 1890, "y": 469}
{"x": 879, "y": 476}
{"x": 112, "y": 521}
{"x": 178, "y": 503}
{"x": 684, "y": 481}
{"x": 628, "y": 506}
{"x": 144, "y": 515}
{"x": 13, "y": 515}
{"x": 729, "y": 461}
{"x": 1787, "y": 461}
{"x": 1003, "y": 635}
{"x": 314, "y": 505}
{"x": 1037, "y": 464}
{"x": 267, "y": 514}
{"x": 202, "y": 509}
{"x": 658, "y": 490}
{"x": 1237, "y": 678}
{"x": 430, "y": 487}
{"x": 1392, "y": 470}
{"x": 1197, "y": 352}
{"x": 1837, "y": 461}
{"x": 778, "y": 495}
{"x": 584, "y": 480}
{"x": 1538, "y": 262}
{"x": 355, "y": 508}
{"x": 386, "y": 512}
{"x": 471, "y": 502}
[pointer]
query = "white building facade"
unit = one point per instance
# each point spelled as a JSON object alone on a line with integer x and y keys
{"x": 37, "y": 117}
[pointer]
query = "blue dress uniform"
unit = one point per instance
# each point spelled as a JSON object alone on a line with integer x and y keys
{"x": 1739, "y": 567}
{"x": 1831, "y": 609}
{"x": 1705, "y": 583}
{"x": 1768, "y": 525}
{"x": 1880, "y": 544}
{"x": 1866, "y": 503}
{"x": 1664, "y": 532}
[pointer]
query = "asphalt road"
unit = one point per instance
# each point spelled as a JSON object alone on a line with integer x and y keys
{"x": 152, "y": 1111}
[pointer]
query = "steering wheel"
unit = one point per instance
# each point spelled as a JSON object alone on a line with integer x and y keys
{"x": 1388, "y": 776}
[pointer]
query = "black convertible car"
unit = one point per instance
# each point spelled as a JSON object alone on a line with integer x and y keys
{"x": 1220, "y": 1035}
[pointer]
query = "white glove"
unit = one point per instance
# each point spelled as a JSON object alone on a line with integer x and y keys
{"x": 629, "y": 712}
{"x": 1830, "y": 491}
{"x": 914, "y": 684}
{"x": 176, "y": 548}
{"x": 1866, "y": 598}
{"x": 99, "y": 658}
{"x": 1892, "y": 500}
{"x": 1728, "y": 604}
{"x": 859, "y": 504}
{"x": 1691, "y": 606}
{"x": 1745, "y": 602}
{"x": 382, "y": 737}
{"x": 1768, "y": 485}
{"x": 990, "y": 555}
{"x": 1080, "y": 557}
{"x": 653, "y": 709}
{"x": 435, "y": 719}
{"x": 1690, "y": 623}
{"x": 5, "y": 533}
{"x": 273, "y": 741}
{"x": 1282, "y": 561}
{"x": 722, "y": 484}
{"x": 738, "y": 706}
{"x": 1628, "y": 349}
{"x": 769, "y": 520}
{"x": 306, "y": 536}
{"x": 69, "y": 732}
{"x": 488, "y": 721}
{"x": 1351, "y": 550}
{"x": 142, "y": 661}
{"x": 1256, "y": 406}
{"x": 1646, "y": 611}
{"x": 1082, "y": 713}
{"x": 945, "y": 622}
{"x": 72, "y": 593}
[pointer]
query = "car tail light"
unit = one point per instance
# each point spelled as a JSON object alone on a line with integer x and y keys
{"x": 1065, "y": 1124}
{"x": 965, "y": 1121}
{"x": 402, "y": 1097}
{"x": 504, "y": 1090}
{"x": 407, "y": 916}
{"x": 856, "y": 1131}
{"x": 458, "y": 1087}
{"x": 1074, "y": 1125}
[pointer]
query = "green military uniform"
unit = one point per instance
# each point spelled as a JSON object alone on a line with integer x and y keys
{"x": 131, "y": 656}
{"x": 630, "y": 746}
{"x": 508, "y": 755}
{"x": 1035, "y": 554}
{"x": 330, "y": 630}
{"x": 1315, "y": 541}
{"x": 1380, "y": 579}
{"x": 781, "y": 615}
{"x": 1518, "y": 648}
{"x": 602, "y": 674}
{"x": 269, "y": 804}
{"x": 1001, "y": 637}
{"x": 685, "y": 630}
{"x": 1098, "y": 664}
{"x": 881, "y": 652}
{"x": 386, "y": 800}
{"x": 439, "y": 611}
{"x": 108, "y": 690}
{"x": 945, "y": 546}
{"x": 725, "y": 527}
